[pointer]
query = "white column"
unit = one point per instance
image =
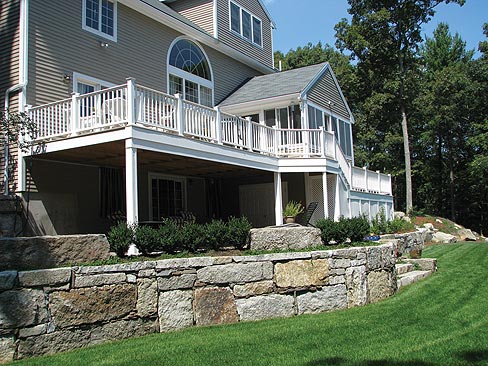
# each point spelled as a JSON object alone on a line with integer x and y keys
{"x": 249, "y": 133}
{"x": 326, "y": 194}
{"x": 75, "y": 112}
{"x": 180, "y": 123}
{"x": 337, "y": 206}
{"x": 131, "y": 182}
{"x": 131, "y": 100}
{"x": 278, "y": 199}
{"x": 218, "y": 125}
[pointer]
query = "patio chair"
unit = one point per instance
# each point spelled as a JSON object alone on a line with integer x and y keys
{"x": 304, "y": 220}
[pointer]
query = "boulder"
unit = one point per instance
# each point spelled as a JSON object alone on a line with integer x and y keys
{"x": 466, "y": 235}
{"x": 440, "y": 237}
{"x": 51, "y": 251}
{"x": 291, "y": 236}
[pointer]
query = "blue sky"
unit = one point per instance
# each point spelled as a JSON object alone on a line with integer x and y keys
{"x": 300, "y": 22}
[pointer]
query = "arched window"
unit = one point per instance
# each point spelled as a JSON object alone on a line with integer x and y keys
{"x": 189, "y": 73}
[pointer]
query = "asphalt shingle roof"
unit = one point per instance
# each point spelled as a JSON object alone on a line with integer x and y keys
{"x": 274, "y": 85}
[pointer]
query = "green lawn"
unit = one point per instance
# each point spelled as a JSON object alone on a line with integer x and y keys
{"x": 442, "y": 320}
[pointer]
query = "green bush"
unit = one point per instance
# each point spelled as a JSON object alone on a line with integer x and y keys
{"x": 216, "y": 233}
{"x": 379, "y": 223}
{"x": 120, "y": 237}
{"x": 237, "y": 232}
{"x": 399, "y": 225}
{"x": 193, "y": 237}
{"x": 354, "y": 229}
{"x": 147, "y": 239}
{"x": 359, "y": 228}
{"x": 170, "y": 237}
{"x": 328, "y": 228}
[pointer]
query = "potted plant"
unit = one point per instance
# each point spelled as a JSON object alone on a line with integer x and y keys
{"x": 291, "y": 211}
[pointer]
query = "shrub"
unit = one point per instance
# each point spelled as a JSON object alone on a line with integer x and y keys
{"x": 120, "y": 237}
{"x": 328, "y": 229}
{"x": 399, "y": 225}
{"x": 237, "y": 232}
{"x": 147, "y": 239}
{"x": 170, "y": 237}
{"x": 354, "y": 229}
{"x": 193, "y": 237}
{"x": 216, "y": 234}
{"x": 379, "y": 224}
{"x": 359, "y": 228}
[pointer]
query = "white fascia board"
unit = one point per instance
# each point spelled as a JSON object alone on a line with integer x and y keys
{"x": 317, "y": 77}
{"x": 182, "y": 146}
{"x": 360, "y": 195}
{"x": 308, "y": 165}
{"x": 84, "y": 140}
{"x": 263, "y": 104}
{"x": 273, "y": 24}
{"x": 196, "y": 33}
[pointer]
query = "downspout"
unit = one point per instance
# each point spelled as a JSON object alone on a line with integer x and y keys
{"x": 23, "y": 79}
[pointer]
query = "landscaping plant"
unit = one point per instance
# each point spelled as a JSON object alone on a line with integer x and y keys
{"x": 120, "y": 238}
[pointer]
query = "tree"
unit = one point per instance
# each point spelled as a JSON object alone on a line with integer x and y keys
{"x": 315, "y": 54}
{"x": 384, "y": 37}
{"x": 19, "y": 131}
{"x": 446, "y": 118}
{"x": 478, "y": 166}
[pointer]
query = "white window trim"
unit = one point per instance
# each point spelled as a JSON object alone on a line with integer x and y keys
{"x": 153, "y": 175}
{"x": 98, "y": 32}
{"x": 241, "y": 34}
{"x": 89, "y": 80}
{"x": 189, "y": 76}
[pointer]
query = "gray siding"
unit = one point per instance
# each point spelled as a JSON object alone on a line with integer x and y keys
{"x": 199, "y": 12}
{"x": 59, "y": 46}
{"x": 325, "y": 90}
{"x": 263, "y": 55}
{"x": 9, "y": 45}
{"x": 9, "y": 67}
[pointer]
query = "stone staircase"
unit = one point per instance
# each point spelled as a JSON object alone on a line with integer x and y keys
{"x": 413, "y": 270}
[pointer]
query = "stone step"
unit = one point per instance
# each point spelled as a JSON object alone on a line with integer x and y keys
{"x": 402, "y": 268}
{"x": 411, "y": 277}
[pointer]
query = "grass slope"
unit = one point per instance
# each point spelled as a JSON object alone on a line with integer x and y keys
{"x": 439, "y": 321}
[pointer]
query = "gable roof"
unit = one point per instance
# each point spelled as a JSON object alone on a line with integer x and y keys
{"x": 275, "y": 85}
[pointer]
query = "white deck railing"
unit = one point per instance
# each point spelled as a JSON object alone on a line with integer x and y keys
{"x": 134, "y": 104}
{"x": 370, "y": 181}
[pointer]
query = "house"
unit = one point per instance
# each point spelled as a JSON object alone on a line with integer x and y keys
{"x": 146, "y": 108}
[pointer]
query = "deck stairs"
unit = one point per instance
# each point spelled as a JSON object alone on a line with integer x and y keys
{"x": 413, "y": 270}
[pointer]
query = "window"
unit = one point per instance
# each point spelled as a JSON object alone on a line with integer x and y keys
{"x": 245, "y": 24}
{"x": 167, "y": 196}
{"x": 100, "y": 17}
{"x": 345, "y": 137}
{"x": 315, "y": 117}
{"x": 91, "y": 107}
{"x": 189, "y": 73}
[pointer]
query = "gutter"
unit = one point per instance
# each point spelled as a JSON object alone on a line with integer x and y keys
{"x": 23, "y": 81}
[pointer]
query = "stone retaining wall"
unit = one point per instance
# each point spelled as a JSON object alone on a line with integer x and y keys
{"x": 48, "y": 311}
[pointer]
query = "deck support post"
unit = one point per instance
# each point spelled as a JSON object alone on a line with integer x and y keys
{"x": 278, "y": 199}
{"x": 325, "y": 194}
{"x": 337, "y": 206}
{"x": 131, "y": 182}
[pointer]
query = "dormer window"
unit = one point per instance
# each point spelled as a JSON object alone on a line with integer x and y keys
{"x": 100, "y": 17}
{"x": 245, "y": 24}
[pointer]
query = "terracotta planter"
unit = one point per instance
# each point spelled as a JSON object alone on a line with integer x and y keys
{"x": 289, "y": 219}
